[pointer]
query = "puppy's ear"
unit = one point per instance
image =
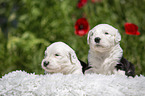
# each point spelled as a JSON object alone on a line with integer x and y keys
{"x": 73, "y": 57}
{"x": 117, "y": 37}
{"x": 88, "y": 38}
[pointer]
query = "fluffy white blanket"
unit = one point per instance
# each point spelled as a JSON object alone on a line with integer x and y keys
{"x": 20, "y": 83}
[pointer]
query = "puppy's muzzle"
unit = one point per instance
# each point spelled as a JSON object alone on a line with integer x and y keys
{"x": 97, "y": 39}
{"x": 45, "y": 63}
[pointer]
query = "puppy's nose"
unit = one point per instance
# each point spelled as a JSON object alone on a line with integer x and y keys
{"x": 97, "y": 39}
{"x": 46, "y": 63}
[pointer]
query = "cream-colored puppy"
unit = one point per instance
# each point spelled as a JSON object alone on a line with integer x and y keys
{"x": 105, "y": 51}
{"x": 60, "y": 58}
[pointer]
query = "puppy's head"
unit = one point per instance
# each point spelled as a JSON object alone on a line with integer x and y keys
{"x": 103, "y": 37}
{"x": 58, "y": 58}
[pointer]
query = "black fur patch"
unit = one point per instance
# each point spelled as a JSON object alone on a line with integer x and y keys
{"x": 126, "y": 66}
{"x": 85, "y": 66}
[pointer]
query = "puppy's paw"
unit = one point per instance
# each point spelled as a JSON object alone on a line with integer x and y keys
{"x": 119, "y": 72}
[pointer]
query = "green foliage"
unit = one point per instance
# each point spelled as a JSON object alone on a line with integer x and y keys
{"x": 40, "y": 23}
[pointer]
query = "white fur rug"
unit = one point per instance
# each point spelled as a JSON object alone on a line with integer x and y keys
{"x": 20, "y": 83}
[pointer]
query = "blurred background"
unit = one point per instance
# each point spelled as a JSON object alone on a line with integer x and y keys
{"x": 27, "y": 27}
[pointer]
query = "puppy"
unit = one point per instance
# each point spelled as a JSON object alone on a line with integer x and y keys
{"x": 105, "y": 51}
{"x": 60, "y": 58}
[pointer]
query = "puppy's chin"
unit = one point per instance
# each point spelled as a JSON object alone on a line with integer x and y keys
{"x": 101, "y": 48}
{"x": 54, "y": 70}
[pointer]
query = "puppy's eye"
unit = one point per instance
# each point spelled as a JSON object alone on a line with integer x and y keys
{"x": 106, "y": 33}
{"x": 57, "y": 55}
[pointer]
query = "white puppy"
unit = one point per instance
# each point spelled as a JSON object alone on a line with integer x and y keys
{"x": 105, "y": 51}
{"x": 60, "y": 58}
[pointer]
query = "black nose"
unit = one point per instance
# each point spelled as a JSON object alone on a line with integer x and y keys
{"x": 45, "y": 63}
{"x": 97, "y": 39}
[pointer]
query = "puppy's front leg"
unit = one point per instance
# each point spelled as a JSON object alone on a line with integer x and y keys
{"x": 119, "y": 72}
{"x": 109, "y": 65}
{"x": 77, "y": 72}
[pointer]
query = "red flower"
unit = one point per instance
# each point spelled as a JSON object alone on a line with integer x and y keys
{"x": 131, "y": 29}
{"x": 81, "y": 3}
{"x": 81, "y": 27}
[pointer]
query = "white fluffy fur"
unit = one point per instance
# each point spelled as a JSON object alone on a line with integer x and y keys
{"x": 20, "y": 83}
{"x": 104, "y": 56}
{"x": 62, "y": 59}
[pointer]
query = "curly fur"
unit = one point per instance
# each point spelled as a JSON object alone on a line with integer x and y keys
{"x": 60, "y": 58}
{"x": 106, "y": 52}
